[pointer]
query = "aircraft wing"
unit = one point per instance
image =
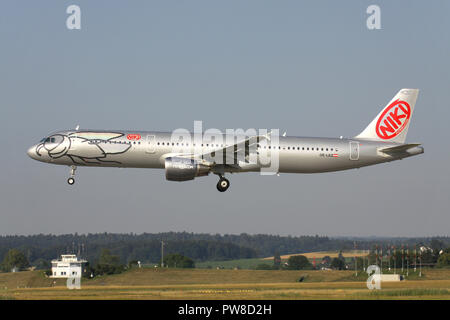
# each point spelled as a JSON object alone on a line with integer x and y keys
{"x": 232, "y": 157}
{"x": 240, "y": 151}
{"x": 228, "y": 156}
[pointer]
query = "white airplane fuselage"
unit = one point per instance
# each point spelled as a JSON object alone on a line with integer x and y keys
{"x": 296, "y": 154}
{"x": 189, "y": 157}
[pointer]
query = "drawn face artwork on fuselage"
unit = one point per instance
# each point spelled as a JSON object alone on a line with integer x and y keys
{"x": 83, "y": 147}
{"x": 55, "y": 146}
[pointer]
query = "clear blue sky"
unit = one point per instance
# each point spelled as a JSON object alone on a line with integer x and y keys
{"x": 310, "y": 68}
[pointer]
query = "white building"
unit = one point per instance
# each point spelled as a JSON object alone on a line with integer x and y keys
{"x": 67, "y": 266}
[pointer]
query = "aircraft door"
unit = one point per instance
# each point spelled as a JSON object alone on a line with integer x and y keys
{"x": 150, "y": 144}
{"x": 354, "y": 150}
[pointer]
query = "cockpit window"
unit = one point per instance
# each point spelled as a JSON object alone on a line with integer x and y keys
{"x": 48, "y": 139}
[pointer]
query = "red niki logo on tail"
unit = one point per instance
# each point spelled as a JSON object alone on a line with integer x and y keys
{"x": 393, "y": 120}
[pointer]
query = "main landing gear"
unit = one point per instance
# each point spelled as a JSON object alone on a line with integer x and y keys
{"x": 71, "y": 180}
{"x": 223, "y": 184}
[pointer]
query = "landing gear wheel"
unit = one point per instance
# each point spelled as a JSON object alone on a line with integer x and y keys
{"x": 71, "y": 179}
{"x": 223, "y": 185}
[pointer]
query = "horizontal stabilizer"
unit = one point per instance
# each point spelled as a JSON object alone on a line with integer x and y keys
{"x": 401, "y": 148}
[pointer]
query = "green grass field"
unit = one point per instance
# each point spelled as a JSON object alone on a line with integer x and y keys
{"x": 154, "y": 283}
{"x": 253, "y": 263}
{"x": 231, "y": 264}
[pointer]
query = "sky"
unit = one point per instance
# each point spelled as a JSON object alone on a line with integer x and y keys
{"x": 310, "y": 68}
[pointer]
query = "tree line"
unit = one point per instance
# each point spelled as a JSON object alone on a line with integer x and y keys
{"x": 40, "y": 249}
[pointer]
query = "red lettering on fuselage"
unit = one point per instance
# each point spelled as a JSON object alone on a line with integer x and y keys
{"x": 134, "y": 137}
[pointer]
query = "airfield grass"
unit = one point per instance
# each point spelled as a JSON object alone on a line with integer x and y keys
{"x": 320, "y": 254}
{"x": 156, "y": 283}
{"x": 253, "y": 263}
{"x": 231, "y": 264}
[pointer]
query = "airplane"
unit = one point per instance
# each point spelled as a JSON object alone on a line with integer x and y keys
{"x": 383, "y": 140}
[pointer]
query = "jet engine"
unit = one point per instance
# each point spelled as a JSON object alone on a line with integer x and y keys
{"x": 183, "y": 169}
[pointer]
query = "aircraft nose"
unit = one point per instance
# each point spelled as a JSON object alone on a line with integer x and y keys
{"x": 32, "y": 152}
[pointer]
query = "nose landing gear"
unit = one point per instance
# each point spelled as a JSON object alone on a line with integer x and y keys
{"x": 223, "y": 184}
{"x": 71, "y": 180}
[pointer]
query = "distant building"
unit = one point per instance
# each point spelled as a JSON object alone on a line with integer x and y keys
{"x": 69, "y": 265}
{"x": 387, "y": 277}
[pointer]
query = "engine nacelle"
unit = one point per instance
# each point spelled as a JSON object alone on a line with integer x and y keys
{"x": 183, "y": 169}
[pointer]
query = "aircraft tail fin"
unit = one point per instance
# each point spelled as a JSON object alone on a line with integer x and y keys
{"x": 392, "y": 123}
